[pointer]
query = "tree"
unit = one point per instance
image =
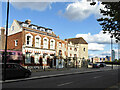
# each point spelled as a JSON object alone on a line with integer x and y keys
{"x": 111, "y": 23}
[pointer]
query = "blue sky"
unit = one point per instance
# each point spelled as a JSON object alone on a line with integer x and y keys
{"x": 50, "y": 18}
{"x": 68, "y": 20}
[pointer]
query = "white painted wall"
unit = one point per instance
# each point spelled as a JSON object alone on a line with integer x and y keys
{"x": 17, "y": 28}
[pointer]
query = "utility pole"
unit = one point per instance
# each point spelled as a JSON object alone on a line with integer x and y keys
{"x": 111, "y": 51}
{"x": 5, "y": 55}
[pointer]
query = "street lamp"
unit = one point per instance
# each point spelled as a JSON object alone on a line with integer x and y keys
{"x": 75, "y": 58}
{"x": 66, "y": 60}
{"x": 76, "y": 62}
{"x": 111, "y": 50}
{"x": 5, "y": 56}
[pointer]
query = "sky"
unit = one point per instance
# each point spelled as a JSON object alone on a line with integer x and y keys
{"x": 76, "y": 18}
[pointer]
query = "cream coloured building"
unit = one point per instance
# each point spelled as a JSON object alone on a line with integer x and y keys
{"x": 77, "y": 47}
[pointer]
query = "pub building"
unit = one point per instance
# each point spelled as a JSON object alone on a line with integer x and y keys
{"x": 38, "y": 44}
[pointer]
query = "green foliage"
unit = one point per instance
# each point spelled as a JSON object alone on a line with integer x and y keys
{"x": 112, "y": 22}
{"x": 108, "y": 61}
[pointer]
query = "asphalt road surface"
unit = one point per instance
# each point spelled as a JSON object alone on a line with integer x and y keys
{"x": 104, "y": 79}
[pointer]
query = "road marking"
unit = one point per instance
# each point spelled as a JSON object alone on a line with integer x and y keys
{"x": 64, "y": 84}
{"x": 23, "y": 79}
{"x": 97, "y": 76}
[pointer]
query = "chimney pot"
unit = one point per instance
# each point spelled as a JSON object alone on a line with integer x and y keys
{"x": 28, "y": 21}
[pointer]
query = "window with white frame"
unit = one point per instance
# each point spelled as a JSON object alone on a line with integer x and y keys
{"x": 84, "y": 49}
{"x": 52, "y": 44}
{"x": 59, "y": 44}
{"x": 36, "y": 58}
{"x": 28, "y": 57}
{"x": 16, "y": 42}
{"x": 42, "y": 29}
{"x": 45, "y": 43}
{"x": 37, "y": 41}
{"x": 63, "y": 45}
{"x": 12, "y": 28}
{"x": 29, "y": 38}
{"x": 49, "y": 31}
{"x": 24, "y": 25}
{"x": 34, "y": 27}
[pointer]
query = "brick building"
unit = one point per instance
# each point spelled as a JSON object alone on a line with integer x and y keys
{"x": 38, "y": 44}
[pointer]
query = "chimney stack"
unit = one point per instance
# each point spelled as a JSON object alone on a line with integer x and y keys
{"x": 58, "y": 36}
{"x": 28, "y": 21}
{"x": 2, "y": 30}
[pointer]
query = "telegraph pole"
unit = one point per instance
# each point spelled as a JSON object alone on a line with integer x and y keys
{"x": 5, "y": 55}
{"x": 112, "y": 51}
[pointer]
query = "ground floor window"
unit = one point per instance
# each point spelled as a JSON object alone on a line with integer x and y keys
{"x": 41, "y": 62}
{"x": 28, "y": 57}
{"x": 36, "y": 58}
{"x": 48, "y": 61}
{"x": 55, "y": 62}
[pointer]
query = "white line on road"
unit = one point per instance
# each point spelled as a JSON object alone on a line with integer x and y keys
{"x": 64, "y": 84}
{"x": 97, "y": 76}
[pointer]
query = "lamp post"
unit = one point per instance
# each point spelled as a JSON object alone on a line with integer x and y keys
{"x": 5, "y": 56}
{"x": 75, "y": 58}
{"x": 76, "y": 62}
{"x": 111, "y": 50}
{"x": 66, "y": 62}
{"x": 44, "y": 60}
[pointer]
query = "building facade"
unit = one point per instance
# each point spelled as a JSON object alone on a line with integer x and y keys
{"x": 38, "y": 44}
{"x": 41, "y": 47}
{"x": 77, "y": 50}
{"x": 113, "y": 55}
{"x": 98, "y": 59}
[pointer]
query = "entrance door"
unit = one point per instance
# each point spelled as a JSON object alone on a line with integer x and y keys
{"x": 48, "y": 62}
{"x": 54, "y": 61}
{"x": 51, "y": 63}
{"x": 41, "y": 64}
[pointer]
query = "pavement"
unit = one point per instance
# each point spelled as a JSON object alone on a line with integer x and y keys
{"x": 60, "y": 72}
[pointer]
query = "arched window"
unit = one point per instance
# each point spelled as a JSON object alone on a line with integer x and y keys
{"x": 75, "y": 49}
{"x": 60, "y": 44}
{"x": 70, "y": 48}
{"x": 45, "y": 42}
{"x": 37, "y": 41}
{"x": 52, "y": 44}
{"x": 60, "y": 53}
{"x": 29, "y": 38}
{"x": 83, "y": 49}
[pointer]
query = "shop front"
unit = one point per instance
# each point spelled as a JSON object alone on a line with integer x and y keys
{"x": 38, "y": 58}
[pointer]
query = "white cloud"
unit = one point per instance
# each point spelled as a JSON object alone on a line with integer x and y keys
{"x": 96, "y": 55}
{"x": 99, "y": 38}
{"x": 81, "y": 10}
{"x": 95, "y": 47}
{"x": 39, "y": 6}
{"x": 106, "y": 53}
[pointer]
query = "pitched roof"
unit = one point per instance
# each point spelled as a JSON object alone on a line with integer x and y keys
{"x": 19, "y": 22}
{"x": 79, "y": 40}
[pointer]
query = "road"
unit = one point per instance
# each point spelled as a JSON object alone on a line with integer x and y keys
{"x": 104, "y": 79}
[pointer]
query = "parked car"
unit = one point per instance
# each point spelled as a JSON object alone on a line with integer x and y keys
{"x": 96, "y": 65}
{"x": 14, "y": 70}
{"x": 102, "y": 64}
{"x": 90, "y": 65}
